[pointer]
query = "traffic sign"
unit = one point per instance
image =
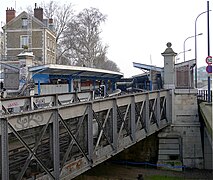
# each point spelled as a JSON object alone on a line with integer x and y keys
{"x": 209, "y": 60}
{"x": 209, "y": 69}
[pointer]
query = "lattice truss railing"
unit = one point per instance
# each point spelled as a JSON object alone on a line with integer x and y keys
{"x": 64, "y": 141}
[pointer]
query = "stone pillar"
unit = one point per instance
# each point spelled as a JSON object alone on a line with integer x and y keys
{"x": 180, "y": 143}
{"x": 25, "y": 61}
{"x": 169, "y": 67}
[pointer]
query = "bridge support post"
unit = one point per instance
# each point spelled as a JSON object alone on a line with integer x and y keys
{"x": 158, "y": 110}
{"x": 56, "y": 147}
{"x": 147, "y": 123}
{"x": 51, "y": 141}
{"x": 114, "y": 126}
{"x": 56, "y": 153}
{"x": 90, "y": 133}
{"x": 133, "y": 135}
{"x": 4, "y": 149}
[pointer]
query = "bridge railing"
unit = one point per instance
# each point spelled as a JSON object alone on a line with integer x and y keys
{"x": 63, "y": 141}
{"x": 23, "y": 104}
{"x": 203, "y": 95}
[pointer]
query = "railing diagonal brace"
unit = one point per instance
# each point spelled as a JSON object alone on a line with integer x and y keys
{"x": 99, "y": 124}
{"x": 140, "y": 117}
{"x": 30, "y": 151}
{"x": 34, "y": 150}
{"x": 73, "y": 137}
{"x": 72, "y": 141}
{"x": 102, "y": 128}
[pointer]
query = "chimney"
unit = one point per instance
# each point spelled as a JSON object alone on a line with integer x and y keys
{"x": 38, "y": 13}
{"x": 51, "y": 25}
{"x": 51, "y": 21}
{"x": 10, "y": 14}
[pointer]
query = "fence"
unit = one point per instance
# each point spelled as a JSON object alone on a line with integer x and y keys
{"x": 203, "y": 95}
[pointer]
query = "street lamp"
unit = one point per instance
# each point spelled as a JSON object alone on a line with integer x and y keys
{"x": 196, "y": 46}
{"x": 181, "y": 53}
{"x": 184, "y": 44}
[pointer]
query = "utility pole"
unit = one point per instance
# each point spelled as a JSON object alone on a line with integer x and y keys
{"x": 208, "y": 40}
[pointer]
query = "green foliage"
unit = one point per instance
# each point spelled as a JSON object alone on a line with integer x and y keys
{"x": 25, "y": 47}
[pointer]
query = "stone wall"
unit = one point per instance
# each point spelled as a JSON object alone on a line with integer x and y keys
{"x": 185, "y": 127}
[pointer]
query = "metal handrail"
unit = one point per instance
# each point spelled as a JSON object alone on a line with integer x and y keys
{"x": 203, "y": 95}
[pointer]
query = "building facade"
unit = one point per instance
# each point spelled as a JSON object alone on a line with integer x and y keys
{"x": 30, "y": 33}
{"x": 1, "y": 46}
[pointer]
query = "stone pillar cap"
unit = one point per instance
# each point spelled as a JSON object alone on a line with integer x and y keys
{"x": 169, "y": 50}
{"x": 25, "y": 54}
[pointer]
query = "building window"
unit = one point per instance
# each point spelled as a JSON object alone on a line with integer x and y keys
{"x": 24, "y": 23}
{"x": 24, "y": 41}
{"x": 53, "y": 46}
{"x": 48, "y": 42}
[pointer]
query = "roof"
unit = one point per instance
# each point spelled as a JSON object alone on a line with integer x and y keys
{"x": 75, "y": 71}
{"x": 141, "y": 75}
{"x": 23, "y": 13}
{"x": 26, "y": 54}
{"x": 147, "y": 67}
{"x": 191, "y": 63}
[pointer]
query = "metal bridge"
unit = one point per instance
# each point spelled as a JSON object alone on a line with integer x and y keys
{"x": 62, "y": 136}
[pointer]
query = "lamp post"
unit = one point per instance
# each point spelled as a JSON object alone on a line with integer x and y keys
{"x": 181, "y": 53}
{"x": 196, "y": 46}
{"x": 184, "y": 44}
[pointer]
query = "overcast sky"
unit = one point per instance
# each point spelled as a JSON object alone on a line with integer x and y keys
{"x": 138, "y": 30}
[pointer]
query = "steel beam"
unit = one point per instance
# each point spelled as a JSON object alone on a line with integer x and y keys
{"x": 4, "y": 149}
{"x": 132, "y": 119}
{"x": 114, "y": 125}
{"x": 158, "y": 116}
{"x": 90, "y": 133}
{"x": 147, "y": 121}
{"x": 56, "y": 151}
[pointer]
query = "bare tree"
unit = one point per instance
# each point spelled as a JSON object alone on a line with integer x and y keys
{"x": 61, "y": 15}
{"x": 82, "y": 38}
{"x": 111, "y": 65}
{"x": 105, "y": 63}
{"x": 50, "y": 9}
{"x": 78, "y": 36}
